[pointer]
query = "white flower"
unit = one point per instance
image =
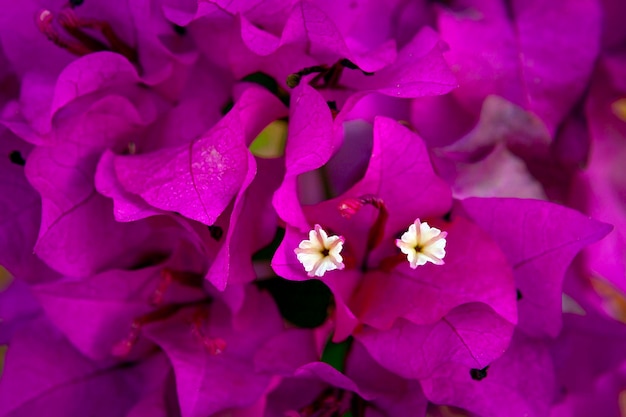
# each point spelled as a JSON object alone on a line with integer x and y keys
{"x": 321, "y": 253}
{"x": 422, "y": 243}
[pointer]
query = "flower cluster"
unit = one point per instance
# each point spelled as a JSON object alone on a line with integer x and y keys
{"x": 311, "y": 208}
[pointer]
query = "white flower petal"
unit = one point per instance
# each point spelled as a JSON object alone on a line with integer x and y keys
{"x": 320, "y": 253}
{"x": 422, "y": 243}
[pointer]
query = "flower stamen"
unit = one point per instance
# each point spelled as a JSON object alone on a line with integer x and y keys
{"x": 169, "y": 276}
{"x": 327, "y": 76}
{"x": 349, "y": 207}
{"x": 214, "y": 345}
{"x": 330, "y": 402}
{"x": 124, "y": 347}
{"x": 82, "y": 43}
{"x": 44, "y": 24}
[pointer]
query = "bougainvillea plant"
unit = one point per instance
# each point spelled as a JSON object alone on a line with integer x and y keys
{"x": 312, "y": 208}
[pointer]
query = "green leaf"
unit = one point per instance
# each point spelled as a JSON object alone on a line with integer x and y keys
{"x": 270, "y": 143}
{"x": 335, "y": 354}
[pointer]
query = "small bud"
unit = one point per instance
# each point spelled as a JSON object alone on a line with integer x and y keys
{"x": 123, "y": 348}
{"x": 213, "y": 345}
{"x": 164, "y": 283}
{"x": 293, "y": 80}
{"x": 350, "y": 206}
{"x": 45, "y": 17}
